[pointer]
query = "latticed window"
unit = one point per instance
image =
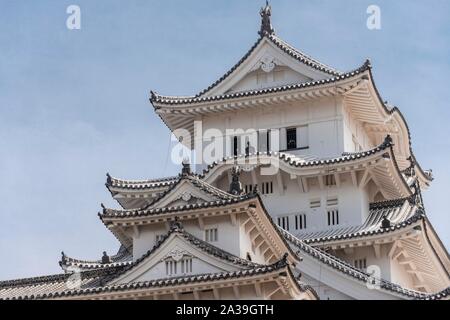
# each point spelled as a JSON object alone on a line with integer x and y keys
{"x": 361, "y": 264}
{"x": 300, "y": 221}
{"x": 248, "y": 188}
{"x": 171, "y": 267}
{"x": 186, "y": 265}
{"x": 333, "y": 217}
{"x": 267, "y": 187}
{"x": 211, "y": 235}
{"x": 283, "y": 222}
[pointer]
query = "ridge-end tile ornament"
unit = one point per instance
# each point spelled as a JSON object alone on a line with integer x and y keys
{"x": 266, "y": 25}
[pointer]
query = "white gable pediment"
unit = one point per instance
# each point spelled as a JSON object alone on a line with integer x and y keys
{"x": 183, "y": 194}
{"x": 267, "y": 66}
{"x": 174, "y": 258}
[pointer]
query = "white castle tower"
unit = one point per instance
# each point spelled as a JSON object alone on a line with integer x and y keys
{"x": 306, "y": 188}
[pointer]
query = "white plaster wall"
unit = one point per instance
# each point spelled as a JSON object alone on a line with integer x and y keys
{"x": 158, "y": 271}
{"x": 368, "y": 253}
{"x": 323, "y": 118}
{"x": 231, "y": 238}
{"x": 353, "y": 202}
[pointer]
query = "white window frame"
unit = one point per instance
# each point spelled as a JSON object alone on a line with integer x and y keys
{"x": 211, "y": 234}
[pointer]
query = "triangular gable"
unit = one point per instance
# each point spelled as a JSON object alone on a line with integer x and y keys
{"x": 175, "y": 256}
{"x": 270, "y": 63}
{"x": 189, "y": 190}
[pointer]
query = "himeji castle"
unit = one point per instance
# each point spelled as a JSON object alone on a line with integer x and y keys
{"x": 310, "y": 191}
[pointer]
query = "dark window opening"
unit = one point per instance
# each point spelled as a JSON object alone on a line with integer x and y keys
{"x": 235, "y": 146}
{"x": 291, "y": 138}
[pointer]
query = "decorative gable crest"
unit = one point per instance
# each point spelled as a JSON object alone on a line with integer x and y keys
{"x": 176, "y": 254}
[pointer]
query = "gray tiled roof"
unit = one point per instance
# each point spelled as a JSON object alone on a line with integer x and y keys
{"x": 123, "y": 258}
{"x": 112, "y": 213}
{"x": 142, "y": 184}
{"x": 373, "y": 224}
{"x": 57, "y": 285}
{"x": 206, "y": 247}
{"x": 171, "y": 182}
{"x": 172, "y": 100}
{"x": 51, "y": 289}
{"x": 296, "y": 162}
{"x": 168, "y": 282}
{"x": 31, "y": 288}
{"x": 355, "y": 273}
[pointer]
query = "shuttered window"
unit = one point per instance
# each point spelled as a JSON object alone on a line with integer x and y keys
{"x": 302, "y": 137}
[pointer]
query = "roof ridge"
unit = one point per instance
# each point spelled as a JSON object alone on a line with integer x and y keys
{"x": 146, "y": 212}
{"x": 133, "y": 184}
{"x": 391, "y": 203}
{"x": 121, "y": 254}
{"x": 316, "y": 64}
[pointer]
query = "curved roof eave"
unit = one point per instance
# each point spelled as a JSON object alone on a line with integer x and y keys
{"x": 160, "y": 101}
{"x": 386, "y": 146}
{"x": 357, "y": 274}
{"x": 395, "y": 111}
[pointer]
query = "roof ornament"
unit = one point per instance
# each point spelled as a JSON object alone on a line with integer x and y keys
{"x": 266, "y": 25}
{"x": 255, "y": 189}
{"x": 385, "y": 223}
{"x": 283, "y": 262}
{"x": 236, "y": 185}
{"x": 411, "y": 171}
{"x": 247, "y": 149}
{"x": 106, "y": 259}
{"x": 186, "y": 168}
{"x": 388, "y": 140}
{"x": 176, "y": 225}
{"x": 108, "y": 179}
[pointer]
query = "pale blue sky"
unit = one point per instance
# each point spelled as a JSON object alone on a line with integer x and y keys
{"x": 74, "y": 104}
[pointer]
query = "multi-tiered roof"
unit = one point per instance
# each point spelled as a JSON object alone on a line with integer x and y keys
{"x": 391, "y": 163}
